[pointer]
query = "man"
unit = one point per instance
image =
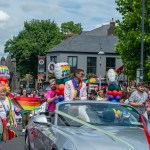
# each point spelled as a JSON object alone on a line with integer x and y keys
{"x": 51, "y": 96}
{"x": 138, "y": 98}
{"x": 75, "y": 89}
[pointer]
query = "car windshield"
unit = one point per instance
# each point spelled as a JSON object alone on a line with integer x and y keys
{"x": 99, "y": 114}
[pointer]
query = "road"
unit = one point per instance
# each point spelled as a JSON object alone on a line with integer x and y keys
{"x": 16, "y": 143}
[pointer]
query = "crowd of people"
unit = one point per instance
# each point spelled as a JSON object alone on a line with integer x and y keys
{"x": 75, "y": 89}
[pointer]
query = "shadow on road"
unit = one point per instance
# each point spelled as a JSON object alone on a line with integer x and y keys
{"x": 16, "y": 143}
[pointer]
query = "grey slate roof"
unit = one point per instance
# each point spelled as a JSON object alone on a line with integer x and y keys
{"x": 101, "y": 31}
{"x": 86, "y": 43}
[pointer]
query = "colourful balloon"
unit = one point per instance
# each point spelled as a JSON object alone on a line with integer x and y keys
{"x": 58, "y": 92}
{"x": 56, "y": 101}
{"x": 92, "y": 80}
{"x": 61, "y": 87}
{"x": 114, "y": 100}
{"x": 111, "y": 87}
{"x": 111, "y": 97}
{"x": 61, "y": 98}
{"x": 119, "y": 93}
{"x": 114, "y": 93}
{"x": 117, "y": 98}
{"x": 62, "y": 92}
{"x": 116, "y": 87}
{"x": 109, "y": 92}
{"x": 106, "y": 95}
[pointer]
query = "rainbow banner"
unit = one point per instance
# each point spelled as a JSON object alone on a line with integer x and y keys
{"x": 8, "y": 134}
{"x": 27, "y": 103}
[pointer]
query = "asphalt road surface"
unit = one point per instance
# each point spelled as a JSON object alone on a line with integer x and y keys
{"x": 16, "y": 143}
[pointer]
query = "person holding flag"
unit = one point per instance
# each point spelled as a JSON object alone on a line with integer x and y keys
{"x": 24, "y": 113}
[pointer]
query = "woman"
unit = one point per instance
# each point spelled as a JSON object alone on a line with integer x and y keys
{"x": 24, "y": 113}
{"x": 7, "y": 114}
{"x": 51, "y": 96}
{"x": 101, "y": 95}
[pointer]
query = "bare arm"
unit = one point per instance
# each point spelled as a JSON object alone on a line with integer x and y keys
{"x": 52, "y": 99}
{"x": 14, "y": 119}
{"x": 135, "y": 104}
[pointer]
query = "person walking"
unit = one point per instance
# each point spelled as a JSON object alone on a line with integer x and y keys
{"x": 24, "y": 113}
{"x": 138, "y": 99}
{"x": 75, "y": 89}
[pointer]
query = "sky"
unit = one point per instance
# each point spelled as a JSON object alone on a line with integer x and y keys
{"x": 90, "y": 13}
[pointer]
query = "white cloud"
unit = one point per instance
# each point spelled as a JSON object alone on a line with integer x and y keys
{"x": 90, "y": 13}
{"x": 3, "y": 16}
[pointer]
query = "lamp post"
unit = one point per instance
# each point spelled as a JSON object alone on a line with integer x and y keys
{"x": 100, "y": 53}
{"x": 142, "y": 43}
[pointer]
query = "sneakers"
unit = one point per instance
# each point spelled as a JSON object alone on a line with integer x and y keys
{"x": 23, "y": 130}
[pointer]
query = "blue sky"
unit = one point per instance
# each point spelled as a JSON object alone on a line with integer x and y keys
{"x": 90, "y": 13}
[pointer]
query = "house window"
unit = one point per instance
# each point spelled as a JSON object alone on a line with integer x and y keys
{"x": 53, "y": 59}
{"x": 91, "y": 65}
{"x": 110, "y": 63}
{"x": 72, "y": 61}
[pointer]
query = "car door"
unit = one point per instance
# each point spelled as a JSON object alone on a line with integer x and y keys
{"x": 44, "y": 137}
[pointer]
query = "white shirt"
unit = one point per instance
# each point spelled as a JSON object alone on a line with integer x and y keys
{"x": 4, "y": 103}
{"x": 69, "y": 91}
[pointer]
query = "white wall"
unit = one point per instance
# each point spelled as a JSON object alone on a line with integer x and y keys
{"x": 82, "y": 61}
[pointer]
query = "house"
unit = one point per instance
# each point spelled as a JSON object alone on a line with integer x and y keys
{"x": 81, "y": 51}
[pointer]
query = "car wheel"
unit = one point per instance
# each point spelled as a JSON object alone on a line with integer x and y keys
{"x": 27, "y": 143}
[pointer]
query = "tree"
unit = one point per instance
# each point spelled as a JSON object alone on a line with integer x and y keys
{"x": 129, "y": 32}
{"x": 37, "y": 37}
{"x": 71, "y": 28}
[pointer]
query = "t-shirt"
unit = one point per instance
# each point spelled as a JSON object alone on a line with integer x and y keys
{"x": 4, "y": 108}
{"x": 51, "y": 105}
{"x": 139, "y": 99}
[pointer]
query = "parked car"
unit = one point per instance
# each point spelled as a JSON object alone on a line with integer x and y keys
{"x": 88, "y": 125}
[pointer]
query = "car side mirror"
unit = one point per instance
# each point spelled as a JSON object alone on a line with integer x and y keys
{"x": 41, "y": 119}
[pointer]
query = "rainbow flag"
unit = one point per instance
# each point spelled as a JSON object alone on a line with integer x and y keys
{"x": 8, "y": 134}
{"x": 27, "y": 103}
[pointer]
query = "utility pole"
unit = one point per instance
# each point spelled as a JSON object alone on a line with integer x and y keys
{"x": 142, "y": 43}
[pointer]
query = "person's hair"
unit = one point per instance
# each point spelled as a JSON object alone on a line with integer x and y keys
{"x": 22, "y": 92}
{"x": 52, "y": 81}
{"x": 140, "y": 84}
{"x": 77, "y": 71}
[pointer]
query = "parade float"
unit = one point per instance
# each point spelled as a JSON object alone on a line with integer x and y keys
{"x": 114, "y": 92}
{"x": 62, "y": 73}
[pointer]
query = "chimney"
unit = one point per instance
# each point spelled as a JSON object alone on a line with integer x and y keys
{"x": 111, "y": 28}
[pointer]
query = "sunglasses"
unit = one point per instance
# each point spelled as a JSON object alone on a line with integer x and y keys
{"x": 82, "y": 74}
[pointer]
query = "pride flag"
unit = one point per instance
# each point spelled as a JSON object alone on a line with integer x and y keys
{"x": 8, "y": 134}
{"x": 27, "y": 103}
